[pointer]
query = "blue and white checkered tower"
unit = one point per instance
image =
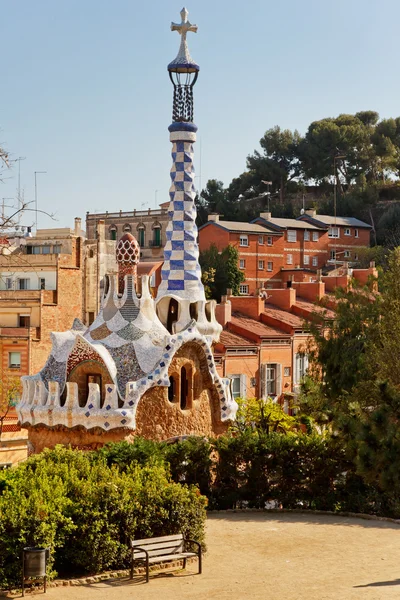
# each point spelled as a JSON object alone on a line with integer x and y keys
{"x": 181, "y": 296}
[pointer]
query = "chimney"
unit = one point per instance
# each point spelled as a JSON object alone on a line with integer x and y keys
{"x": 223, "y": 311}
{"x": 266, "y": 215}
{"x": 78, "y": 226}
{"x": 214, "y": 217}
{"x": 311, "y": 212}
{"x": 101, "y": 230}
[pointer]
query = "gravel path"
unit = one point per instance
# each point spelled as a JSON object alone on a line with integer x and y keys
{"x": 258, "y": 556}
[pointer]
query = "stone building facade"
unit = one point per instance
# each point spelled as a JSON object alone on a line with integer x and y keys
{"x": 148, "y": 227}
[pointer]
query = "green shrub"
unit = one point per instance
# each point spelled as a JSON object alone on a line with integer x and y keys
{"x": 123, "y": 454}
{"x": 86, "y": 511}
{"x": 190, "y": 462}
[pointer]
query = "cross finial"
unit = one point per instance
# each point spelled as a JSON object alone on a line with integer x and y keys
{"x": 185, "y": 25}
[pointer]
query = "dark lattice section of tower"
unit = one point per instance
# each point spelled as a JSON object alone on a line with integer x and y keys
{"x": 182, "y": 108}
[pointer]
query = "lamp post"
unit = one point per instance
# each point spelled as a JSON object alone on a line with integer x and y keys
{"x": 37, "y": 173}
{"x": 335, "y": 158}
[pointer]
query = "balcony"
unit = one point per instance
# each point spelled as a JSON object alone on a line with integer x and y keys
{"x": 21, "y": 295}
{"x": 36, "y": 296}
{"x": 20, "y": 332}
{"x": 26, "y": 261}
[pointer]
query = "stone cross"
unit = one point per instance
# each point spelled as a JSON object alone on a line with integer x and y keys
{"x": 185, "y": 26}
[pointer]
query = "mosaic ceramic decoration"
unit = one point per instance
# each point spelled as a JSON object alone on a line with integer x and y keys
{"x": 128, "y": 338}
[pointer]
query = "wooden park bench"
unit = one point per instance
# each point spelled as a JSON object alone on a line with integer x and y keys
{"x": 163, "y": 549}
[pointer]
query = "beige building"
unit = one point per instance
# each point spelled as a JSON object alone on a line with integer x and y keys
{"x": 46, "y": 281}
{"x": 147, "y": 226}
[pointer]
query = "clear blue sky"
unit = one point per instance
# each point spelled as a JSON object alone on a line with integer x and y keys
{"x": 86, "y": 95}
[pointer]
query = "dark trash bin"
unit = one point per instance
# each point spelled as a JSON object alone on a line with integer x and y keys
{"x": 34, "y": 564}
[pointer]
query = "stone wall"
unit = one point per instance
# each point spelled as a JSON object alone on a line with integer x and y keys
{"x": 41, "y": 437}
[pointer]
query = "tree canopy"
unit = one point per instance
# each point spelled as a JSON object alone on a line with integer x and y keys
{"x": 358, "y": 152}
{"x": 354, "y": 380}
{"x": 220, "y": 271}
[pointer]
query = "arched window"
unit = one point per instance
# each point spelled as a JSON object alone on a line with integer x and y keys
{"x": 141, "y": 235}
{"x": 156, "y": 242}
{"x": 193, "y": 311}
{"x": 172, "y": 314}
{"x": 91, "y": 254}
{"x": 113, "y": 232}
{"x": 127, "y": 228}
{"x": 184, "y": 388}
{"x": 173, "y": 388}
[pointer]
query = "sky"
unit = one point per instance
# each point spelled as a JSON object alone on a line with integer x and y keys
{"x": 86, "y": 97}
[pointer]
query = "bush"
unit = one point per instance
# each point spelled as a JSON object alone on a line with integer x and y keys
{"x": 86, "y": 511}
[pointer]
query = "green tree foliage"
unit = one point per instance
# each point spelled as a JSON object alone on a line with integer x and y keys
{"x": 226, "y": 266}
{"x": 261, "y": 415}
{"x": 10, "y": 388}
{"x": 356, "y": 377}
{"x": 279, "y": 162}
{"x": 349, "y": 136}
{"x": 208, "y": 278}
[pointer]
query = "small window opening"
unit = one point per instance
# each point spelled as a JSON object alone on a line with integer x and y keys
{"x": 172, "y": 314}
{"x": 208, "y": 312}
{"x": 171, "y": 389}
{"x": 184, "y": 388}
{"x": 194, "y": 314}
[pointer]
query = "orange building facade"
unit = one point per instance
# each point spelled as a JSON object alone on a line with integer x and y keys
{"x": 264, "y": 344}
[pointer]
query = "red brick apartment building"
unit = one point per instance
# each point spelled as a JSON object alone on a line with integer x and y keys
{"x": 273, "y": 251}
{"x": 263, "y": 346}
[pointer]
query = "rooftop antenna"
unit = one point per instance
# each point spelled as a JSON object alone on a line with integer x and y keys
{"x": 20, "y": 203}
{"x": 36, "y": 212}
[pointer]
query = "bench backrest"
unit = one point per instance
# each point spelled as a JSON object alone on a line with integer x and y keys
{"x": 168, "y": 544}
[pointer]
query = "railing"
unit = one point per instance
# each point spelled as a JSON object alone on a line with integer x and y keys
{"x": 20, "y": 295}
{"x": 126, "y": 214}
{"x": 27, "y": 260}
{"x": 14, "y": 332}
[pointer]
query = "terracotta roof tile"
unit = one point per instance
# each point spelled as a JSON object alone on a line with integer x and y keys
{"x": 284, "y": 316}
{"x": 228, "y": 338}
{"x": 256, "y": 327}
{"x": 316, "y": 308}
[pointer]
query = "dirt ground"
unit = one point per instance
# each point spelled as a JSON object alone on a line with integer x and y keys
{"x": 258, "y": 556}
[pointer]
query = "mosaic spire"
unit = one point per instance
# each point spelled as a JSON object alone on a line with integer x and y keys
{"x": 181, "y": 273}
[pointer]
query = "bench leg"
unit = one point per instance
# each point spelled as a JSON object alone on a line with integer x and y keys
{"x": 147, "y": 569}
{"x": 200, "y": 561}
{"x": 132, "y": 565}
{"x": 184, "y": 563}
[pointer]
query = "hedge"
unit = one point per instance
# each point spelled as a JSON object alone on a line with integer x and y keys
{"x": 254, "y": 469}
{"x": 86, "y": 511}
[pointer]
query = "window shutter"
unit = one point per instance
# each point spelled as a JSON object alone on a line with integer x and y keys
{"x": 297, "y": 369}
{"x": 243, "y": 387}
{"x": 278, "y": 380}
{"x": 263, "y": 374}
